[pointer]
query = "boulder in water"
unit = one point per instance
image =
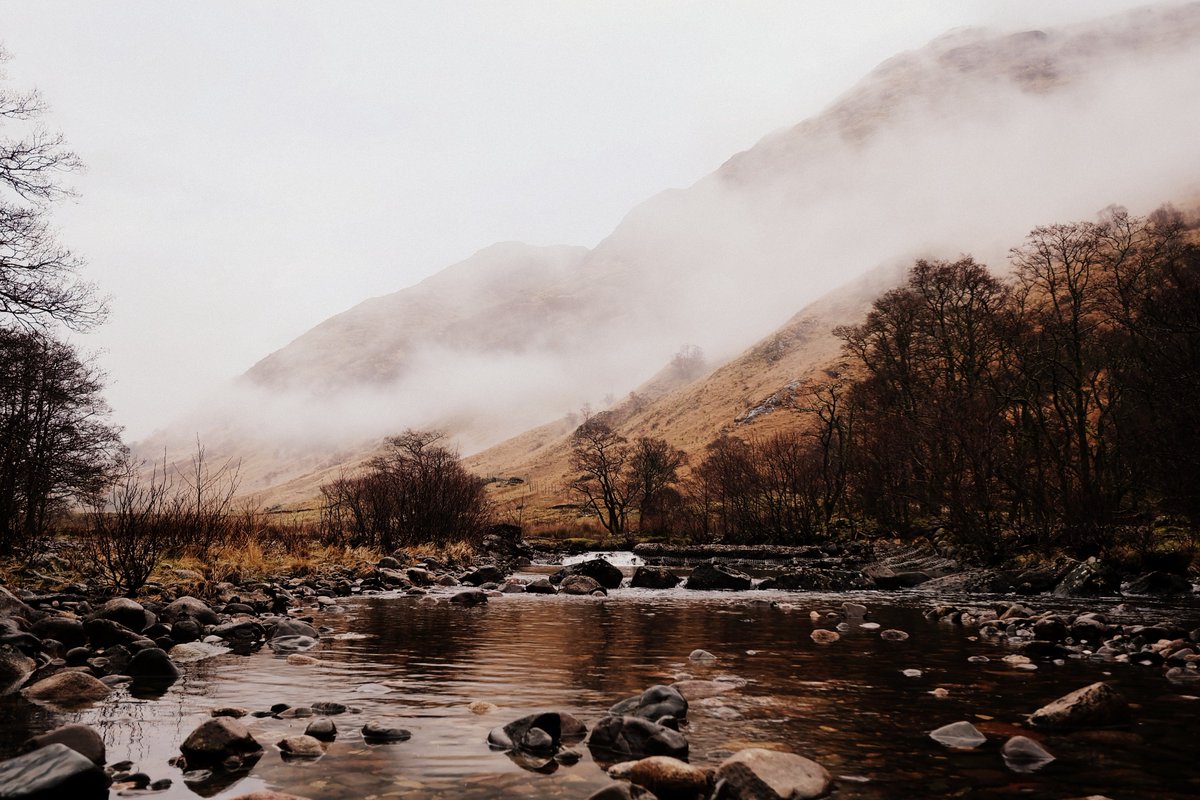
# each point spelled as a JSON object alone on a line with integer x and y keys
{"x": 717, "y": 576}
{"x": 621, "y": 738}
{"x": 597, "y": 569}
{"x": 962, "y": 735}
{"x": 1097, "y": 705}
{"x": 216, "y": 740}
{"x": 67, "y": 689}
{"x": 654, "y": 704}
{"x": 758, "y": 774}
{"x": 667, "y": 778}
{"x": 654, "y": 578}
{"x": 538, "y": 733}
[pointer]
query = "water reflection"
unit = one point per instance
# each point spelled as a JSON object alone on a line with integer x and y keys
{"x": 849, "y": 704}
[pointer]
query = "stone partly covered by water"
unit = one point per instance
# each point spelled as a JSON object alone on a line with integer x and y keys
{"x": 67, "y": 689}
{"x": 1097, "y": 705}
{"x": 379, "y": 731}
{"x": 654, "y": 578}
{"x": 598, "y": 569}
{"x": 302, "y": 746}
{"x": 718, "y": 576}
{"x": 1023, "y": 754}
{"x": 667, "y": 778}
{"x": 656, "y": 704}
{"x": 216, "y": 740}
{"x": 580, "y": 585}
{"x": 322, "y": 729}
{"x": 757, "y": 774}
{"x": 962, "y": 735}
{"x": 620, "y": 738}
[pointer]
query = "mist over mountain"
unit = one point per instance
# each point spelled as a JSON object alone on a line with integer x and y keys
{"x": 962, "y": 145}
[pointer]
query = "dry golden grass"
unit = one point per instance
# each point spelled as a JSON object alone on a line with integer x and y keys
{"x": 253, "y": 560}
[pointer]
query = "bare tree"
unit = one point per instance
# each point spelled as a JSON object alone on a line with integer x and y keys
{"x": 652, "y": 473}
{"x": 133, "y": 528}
{"x": 206, "y": 514}
{"x": 598, "y": 457}
{"x": 38, "y": 284}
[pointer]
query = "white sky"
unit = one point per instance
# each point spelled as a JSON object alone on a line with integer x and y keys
{"x": 255, "y": 167}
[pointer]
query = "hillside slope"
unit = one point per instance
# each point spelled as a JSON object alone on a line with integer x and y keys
{"x": 964, "y": 144}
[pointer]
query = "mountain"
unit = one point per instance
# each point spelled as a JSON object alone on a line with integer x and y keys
{"x": 964, "y": 144}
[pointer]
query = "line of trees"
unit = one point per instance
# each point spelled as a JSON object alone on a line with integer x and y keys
{"x": 1057, "y": 409}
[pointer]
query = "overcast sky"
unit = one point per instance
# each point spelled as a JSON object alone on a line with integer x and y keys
{"x": 254, "y": 167}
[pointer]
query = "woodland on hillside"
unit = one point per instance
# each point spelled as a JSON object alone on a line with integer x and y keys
{"x": 1051, "y": 411}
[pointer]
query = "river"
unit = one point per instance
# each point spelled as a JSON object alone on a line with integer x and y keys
{"x": 848, "y": 705}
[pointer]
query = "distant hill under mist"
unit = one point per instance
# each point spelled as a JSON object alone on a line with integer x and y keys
{"x": 963, "y": 145}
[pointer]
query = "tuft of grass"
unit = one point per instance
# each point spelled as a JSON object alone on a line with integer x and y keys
{"x": 458, "y": 552}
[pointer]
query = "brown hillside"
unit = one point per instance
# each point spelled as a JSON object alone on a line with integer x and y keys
{"x": 751, "y": 394}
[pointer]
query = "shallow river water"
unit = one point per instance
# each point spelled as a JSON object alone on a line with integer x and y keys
{"x": 848, "y": 705}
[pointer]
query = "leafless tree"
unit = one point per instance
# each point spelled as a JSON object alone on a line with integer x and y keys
{"x": 38, "y": 283}
{"x": 56, "y": 446}
{"x": 599, "y": 456}
{"x": 132, "y": 528}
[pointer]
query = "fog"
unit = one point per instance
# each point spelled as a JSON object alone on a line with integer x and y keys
{"x": 314, "y": 160}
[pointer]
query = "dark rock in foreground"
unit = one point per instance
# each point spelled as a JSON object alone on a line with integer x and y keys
{"x": 469, "y": 597}
{"x": 15, "y": 669}
{"x": 152, "y": 663}
{"x": 53, "y": 772}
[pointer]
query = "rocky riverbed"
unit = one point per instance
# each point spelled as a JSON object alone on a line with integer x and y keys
{"x": 430, "y": 680}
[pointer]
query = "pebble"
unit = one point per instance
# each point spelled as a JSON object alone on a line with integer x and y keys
{"x": 299, "y": 659}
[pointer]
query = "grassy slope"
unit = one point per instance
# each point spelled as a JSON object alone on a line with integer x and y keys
{"x": 688, "y": 416}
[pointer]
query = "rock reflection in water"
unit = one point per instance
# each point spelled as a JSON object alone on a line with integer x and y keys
{"x": 846, "y": 704}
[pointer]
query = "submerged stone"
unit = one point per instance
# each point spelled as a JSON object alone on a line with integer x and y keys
{"x": 962, "y": 735}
